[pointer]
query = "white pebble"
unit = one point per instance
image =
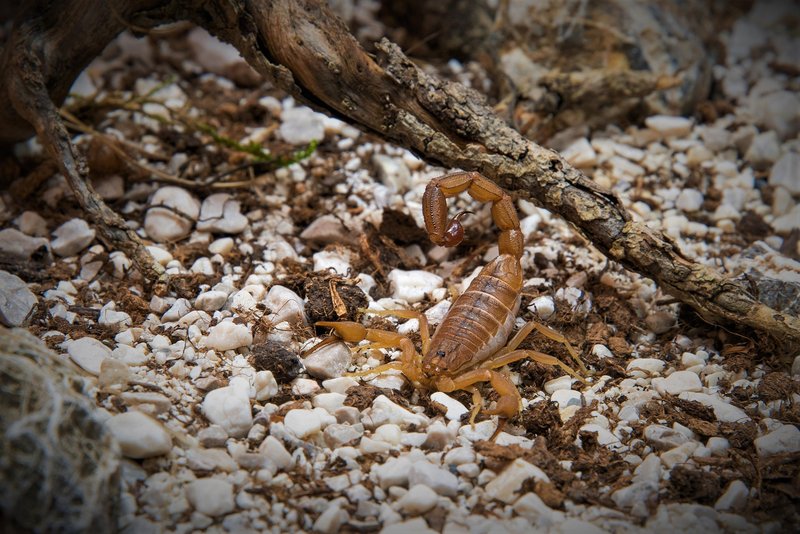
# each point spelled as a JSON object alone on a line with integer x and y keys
{"x": 669, "y": 126}
{"x": 88, "y": 353}
{"x": 229, "y": 407}
{"x": 419, "y": 499}
{"x": 784, "y": 440}
{"x": 505, "y": 487}
{"x": 16, "y": 300}
{"x": 72, "y": 237}
{"x": 285, "y": 305}
{"x": 677, "y": 383}
{"x": 562, "y": 382}
{"x": 330, "y": 361}
{"x": 734, "y": 498}
{"x": 440, "y": 480}
{"x": 301, "y": 125}
{"x": 172, "y": 213}
{"x": 331, "y": 520}
{"x": 265, "y": 385}
{"x": 413, "y": 286}
{"x": 580, "y": 154}
{"x": 304, "y": 386}
{"x": 329, "y": 401}
{"x": 337, "y": 260}
{"x": 273, "y": 449}
{"x": 454, "y": 409}
{"x": 544, "y": 307}
{"x": 228, "y": 335}
{"x": 690, "y": 200}
{"x": 566, "y": 397}
{"x": 32, "y": 224}
{"x": 221, "y": 213}
{"x": 210, "y": 496}
{"x": 723, "y": 411}
{"x": 223, "y": 246}
{"x": 643, "y": 367}
{"x": 139, "y": 435}
{"x": 302, "y": 423}
{"x": 210, "y": 301}
{"x": 340, "y": 384}
{"x": 786, "y": 172}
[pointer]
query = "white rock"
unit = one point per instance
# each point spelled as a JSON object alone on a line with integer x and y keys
{"x": 88, "y": 353}
{"x": 643, "y": 367}
{"x": 393, "y": 472}
{"x": 139, "y": 435}
{"x": 109, "y": 316}
{"x": 302, "y": 423}
{"x": 788, "y": 222}
{"x": 413, "y": 286}
{"x": 664, "y": 438}
{"x": 459, "y": 456}
{"x": 505, "y": 487}
{"x": 603, "y": 435}
{"x": 734, "y": 498}
{"x": 229, "y": 407}
{"x": 273, "y": 449}
{"x": 480, "y": 432}
{"x": 159, "y": 254}
{"x": 327, "y": 229}
{"x": 531, "y": 507}
{"x": 337, "y": 260}
{"x": 340, "y": 384}
{"x": 786, "y": 439}
{"x": 300, "y": 125}
{"x": 384, "y": 411}
{"x": 418, "y": 500}
{"x": 723, "y": 411}
{"x": 677, "y": 383}
{"x": 580, "y": 154}
{"x": 72, "y": 237}
{"x": 202, "y": 266}
{"x": 796, "y": 366}
{"x": 14, "y": 245}
{"x": 285, "y": 305}
{"x": 389, "y": 433}
{"x": 562, "y": 382}
{"x": 265, "y": 385}
{"x": 223, "y": 245}
{"x": 178, "y": 309}
{"x": 210, "y": 301}
{"x": 566, "y": 397}
{"x": 32, "y": 224}
{"x": 718, "y": 446}
{"x": 16, "y": 300}
{"x": 786, "y": 172}
{"x": 332, "y": 519}
{"x": 764, "y": 149}
{"x": 211, "y": 496}
{"x": 690, "y": 200}
{"x": 543, "y": 306}
{"x": 416, "y": 526}
{"x": 337, "y": 435}
{"x": 221, "y": 213}
{"x": 304, "y": 386}
{"x": 669, "y": 126}
{"x": 439, "y": 480}
{"x": 454, "y": 409}
{"x": 393, "y": 172}
{"x": 171, "y": 215}
{"x": 330, "y": 361}
{"x": 228, "y": 335}
{"x": 330, "y": 402}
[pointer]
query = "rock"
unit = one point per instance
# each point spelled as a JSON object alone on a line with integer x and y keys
{"x": 417, "y": 526}
{"x": 330, "y": 402}
{"x": 110, "y": 187}
{"x": 221, "y": 213}
{"x": 734, "y": 498}
{"x": 178, "y": 309}
{"x": 228, "y": 335}
{"x": 677, "y": 383}
{"x": 331, "y": 520}
{"x": 304, "y": 386}
{"x": 778, "y": 111}
{"x": 222, "y": 246}
{"x": 784, "y": 440}
{"x": 285, "y": 305}
{"x": 32, "y": 224}
{"x": 566, "y": 397}
{"x": 454, "y": 409}
{"x": 531, "y": 507}
{"x": 16, "y": 300}
{"x": 643, "y": 367}
{"x": 689, "y": 200}
{"x": 229, "y": 407}
{"x": 786, "y": 173}
{"x": 109, "y": 316}
{"x": 340, "y": 384}
{"x": 207, "y": 460}
{"x": 413, "y": 286}
{"x": 88, "y": 353}
{"x": 664, "y": 438}
{"x": 393, "y": 472}
{"x": 171, "y": 215}
{"x": 337, "y": 260}
{"x": 543, "y": 306}
{"x": 393, "y": 172}
{"x": 330, "y": 361}
{"x": 723, "y": 411}
{"x": 418, "y": 500}
{"x": 302, "y": 423}
{"x": 459, "y": 456}
{"x": 210, "y": 301}
{"x": 796, "y": 366}
{"x": 660, "y": 322}
{"x": 326, "y": 230}
{"x": 212, "y": 436}
{"x": 14, "y": 245}
{"x": 385, "y": 411}
{"x": 265, "y": 385}
{"x": 338, "y": 435}
{"x": 139, "y": 435}
{"x": 72, "y": 237}
{"x": 669, "y": 126}
{"x": 300, "y": 125}
{"x": 562, "y": 382}
{"x": 439, "y": 480}
{"x": 580, "y": 154}
{"x": 505, "y": 486}
{"x": 764, "y": 150}
{"x": 274, "y": 450}
{"x": 210, "y": 496}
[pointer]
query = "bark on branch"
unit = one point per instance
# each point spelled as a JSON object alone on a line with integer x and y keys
{"x": 304, "y": 49}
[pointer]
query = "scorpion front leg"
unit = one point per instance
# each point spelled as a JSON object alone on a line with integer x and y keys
{"x": 450, "y": 234}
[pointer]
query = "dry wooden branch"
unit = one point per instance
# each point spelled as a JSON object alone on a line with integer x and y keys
{"x": 303, "y": 48}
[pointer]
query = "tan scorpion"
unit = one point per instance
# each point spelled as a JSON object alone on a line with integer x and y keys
{"x": 470, "y": 343}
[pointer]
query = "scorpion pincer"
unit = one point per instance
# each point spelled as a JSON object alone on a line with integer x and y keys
{"x": 470, "y": 344}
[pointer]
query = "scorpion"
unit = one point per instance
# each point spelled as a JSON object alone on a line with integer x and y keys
{"x": 470, "y": 343}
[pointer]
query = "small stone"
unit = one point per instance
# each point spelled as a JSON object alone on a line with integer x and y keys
{"x": 229, "y": 407}
{"x": 764, "y": 150}
{"x": 413, "y": 286}
{"x": 660, "y": 322}
{"x": 161, "y": 256}
{"x": 221, "y": 213}
{"x": 331, "y": 520}
{"x": 723, "y": 411}
{"x": 796, "y": 366}
{"x": 393, "y": 172}
{"x": 16, "y": 300}
{"x": 329, "y": 402}
{"x": 72, "y": 237}
{"x": 664, "y": 438}
{"x": 265, "y": 385}
{"x": 543, "y": 306}
{"x": 274, "y": 450}
{"x": 211, "y": 496}
{"x": 418, "y": 500}
{"x": 643, "y": 367}
{"x": 285, "y": 305}
{"x": 562, "y": 382}
{"x": 340, "y": 384}
{"x": 669, "y": 126}
{"x": 784, "y": 440}
{"x": 210, "y": 301}
{"x": 393, "y": 472}
{"x": 207, "y": 460}
{"x": 338, "y": 435}
{"x": 300, "y": 125}
{"x": 454, "y": 409}
{"x": 326, "y": 230}
{"x": 304, "y": 386}
{"x": 32, "y": 224}
{"x": 385, "y": 411}
{"x": 302, "y": 423}
{"x": 505, "y": 487}
{"x": 178, "y": 309}
{"x": 580, "y": 154}
{"x": 114, "y": 372}
{"x": 212, "y": 436}
{"x": 439, "y": 480}
{"x": 171, "y": 214}
{"x": 416, "y": 526}
{"x": 786, "y": 173}
{"x": 110, "y": 187}
{"x": 222, "y": 246}
{"x": 228, "y": 336}
{"x": 734, "y": 498}
{"x": 109, "y": 316}
{"x": 677, "y": 383}
{"x": 566, "y": 397}
{"x": 139, "y": 435}
{"x": 88, "y": 353}
{"x": 202, "y": 266}
{"x": 337, "y": 260}
{"x": 14, "y": 245}
{"x": 697, "y": 155}
{"x": 532, "y": 508}
{"x": 690, "y": 200}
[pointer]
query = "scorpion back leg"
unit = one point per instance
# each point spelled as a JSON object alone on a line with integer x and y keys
{"x": 510, "y": 401}
{"x": 546, "y": 331}
{"x": 424, "y": 331}
{"x": 449, "y": 234}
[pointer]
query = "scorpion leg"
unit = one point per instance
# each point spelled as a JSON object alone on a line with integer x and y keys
{"x": 410, "y": 361}
{"x": 540, "y": 357}
{"x": 508, "y": 405}
{"x": 424, "y": 331}
{"x": 546, "y": 331}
